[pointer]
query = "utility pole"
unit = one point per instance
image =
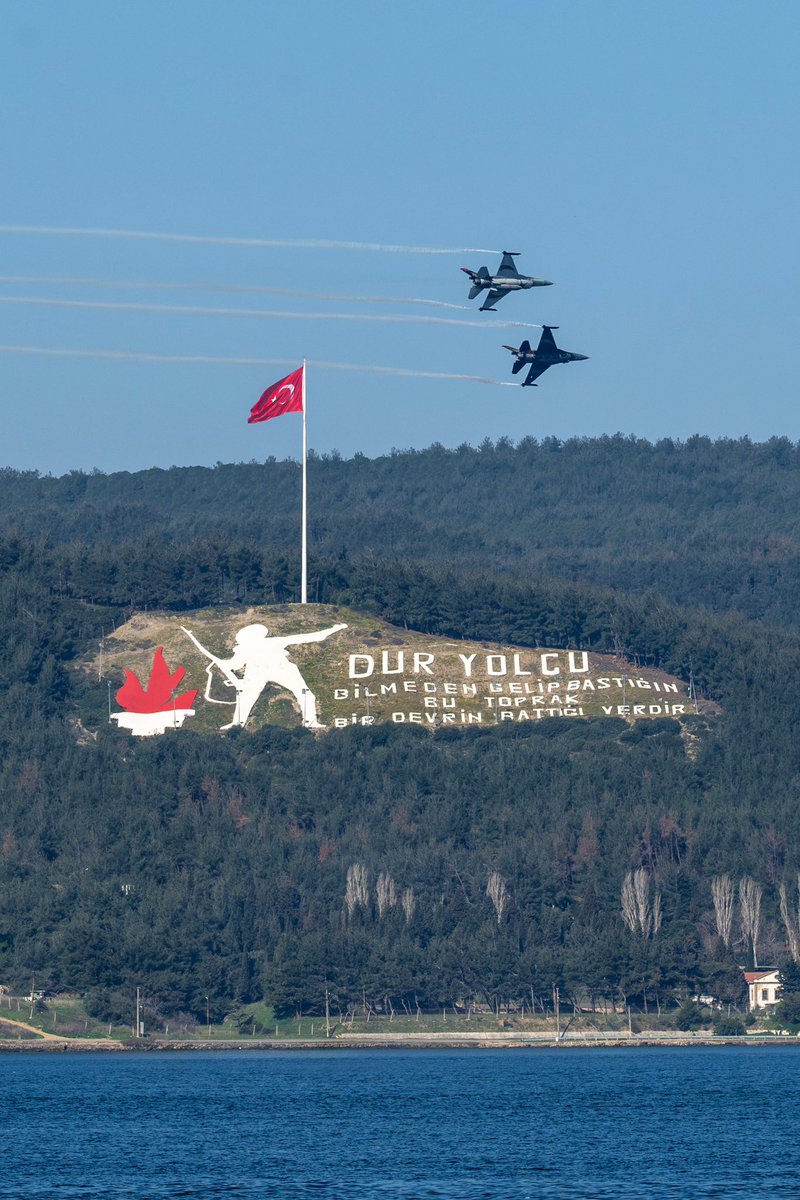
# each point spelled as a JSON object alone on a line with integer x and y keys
{"x": 327, "y": 1013}
{"x": 138, "y": 1016}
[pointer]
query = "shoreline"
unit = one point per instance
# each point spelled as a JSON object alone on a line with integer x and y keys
{"x": 399, "y": 1041}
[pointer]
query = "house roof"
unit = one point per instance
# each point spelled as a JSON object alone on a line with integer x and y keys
{"x": 769, "y": 974}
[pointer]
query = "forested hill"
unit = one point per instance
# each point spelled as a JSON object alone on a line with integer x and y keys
{"x": 390, "y": 862}
{"x": 699, "y": 523}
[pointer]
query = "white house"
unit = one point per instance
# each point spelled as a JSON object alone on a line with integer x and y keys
{"x": 764, "y": 988}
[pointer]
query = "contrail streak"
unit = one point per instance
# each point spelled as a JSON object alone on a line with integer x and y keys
{"x": 265, "y": 243}
{"x": 263, "y": 314}
{"x": 153, "y": 285}
{"x": 208, "y": 359}
{"x": 376, "y": 370}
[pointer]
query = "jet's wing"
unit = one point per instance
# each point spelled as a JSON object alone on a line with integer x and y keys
{"x": 536, "y": 370}
{"x": 495, "y": 294}
{"x": 508, "y": 267}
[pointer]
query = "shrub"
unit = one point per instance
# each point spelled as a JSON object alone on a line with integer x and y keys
{"x": 690, "y": 1016}
{"x": 729, "y": 1027}
{"x": 788, "y": 1011}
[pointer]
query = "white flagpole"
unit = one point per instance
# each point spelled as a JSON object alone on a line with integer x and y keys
{"x": 304, "y": 541}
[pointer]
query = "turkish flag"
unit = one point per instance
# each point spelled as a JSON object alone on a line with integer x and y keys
{"x": 285, "y": 396}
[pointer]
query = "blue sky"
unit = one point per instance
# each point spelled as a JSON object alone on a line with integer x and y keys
{"x": 642, "y": 156}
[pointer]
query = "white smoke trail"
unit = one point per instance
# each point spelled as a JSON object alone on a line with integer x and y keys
{"x": 213, "y": 360}
{"x": 265, "y": 243}
{"x": 207, "y": 311}
{"x": 373, "y": 369}
{"x": 153, "y": 285}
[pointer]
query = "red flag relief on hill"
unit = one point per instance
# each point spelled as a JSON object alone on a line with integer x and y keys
{"x": 285, "y": 396}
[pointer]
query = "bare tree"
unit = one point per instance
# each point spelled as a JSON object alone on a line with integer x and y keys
{"x": 722, "y": 894}
{"x": 641, "y": 914}
{"x": 628, "y": 902}
{"x": 750, "y": 894}
{"x": 356, "y": 893}
{"x": 791, "y": 921}
{"x": 497, "y": 892}
{"x": 641, "y": 890}
{"x": 408, "y": 904}
{"x": 385, "y": 894}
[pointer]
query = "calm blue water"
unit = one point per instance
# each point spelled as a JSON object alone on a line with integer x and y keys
{"x": 704, "y": 1122}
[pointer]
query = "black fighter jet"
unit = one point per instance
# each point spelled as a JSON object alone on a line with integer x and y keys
{"x": 507, "y": 279}
{"x": 545, "y": 355}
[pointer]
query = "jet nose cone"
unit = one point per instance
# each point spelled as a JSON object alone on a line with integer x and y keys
{"x": 581, "y": 357}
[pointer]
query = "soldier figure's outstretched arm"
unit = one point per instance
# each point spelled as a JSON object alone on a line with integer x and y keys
{"x": 319, "y": 636}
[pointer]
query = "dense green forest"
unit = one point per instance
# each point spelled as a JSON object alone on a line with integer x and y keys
{"x": 704, "y": 524}
{"x": 391, "y": 865}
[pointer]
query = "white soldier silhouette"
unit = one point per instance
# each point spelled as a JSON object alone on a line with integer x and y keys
{"x": 257, "y": 660}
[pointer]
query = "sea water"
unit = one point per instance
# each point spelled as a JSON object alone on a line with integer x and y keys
{"x": 473, "y": 1125}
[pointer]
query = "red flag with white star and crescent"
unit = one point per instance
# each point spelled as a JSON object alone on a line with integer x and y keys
{"x": 285, "y": 396}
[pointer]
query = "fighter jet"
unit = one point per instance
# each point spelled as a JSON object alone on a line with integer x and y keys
{"x": 507, "y": 279}
{"x": 545, "y": 355}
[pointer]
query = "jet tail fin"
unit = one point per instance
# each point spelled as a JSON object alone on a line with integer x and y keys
{"x": 480, "y": 279}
